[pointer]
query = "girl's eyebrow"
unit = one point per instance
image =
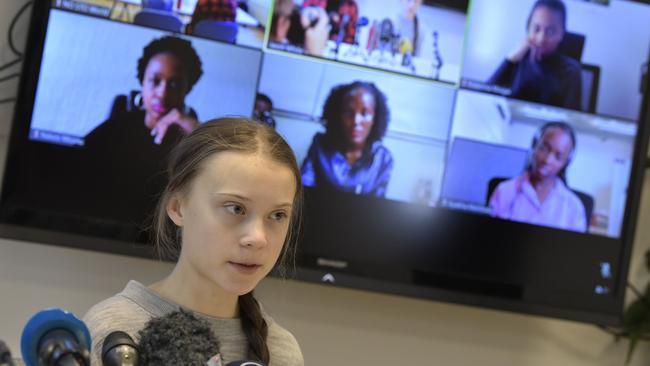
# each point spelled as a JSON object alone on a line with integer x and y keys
{"x": 233, "y": 195}
{"x": 243, "y": 198}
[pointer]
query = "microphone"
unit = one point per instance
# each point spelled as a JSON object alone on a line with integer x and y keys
{"x": 345, "y": 19}
{"x": 363, "y": 21}
{"x": 355, "y": 50}
{"x": 55, "y": 337}
{"x": 245, "y": 363}
{"x": 373, "y": 37}
{"x": 405, "y": 46}
{"x": 387, "y": 36}
{"x": 119, "y": 349}
{"x": 406, "y": 50}
{"x": 178, "y": 338}
{"x": 348, "y": 13}
{"x": 5, "y": 355}
{"x": 386, "y": 31}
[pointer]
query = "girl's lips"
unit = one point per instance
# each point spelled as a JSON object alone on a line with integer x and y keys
{"x": 245, "y": 268}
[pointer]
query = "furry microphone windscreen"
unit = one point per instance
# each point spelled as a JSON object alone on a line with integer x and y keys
{"x": 178, "y": 338}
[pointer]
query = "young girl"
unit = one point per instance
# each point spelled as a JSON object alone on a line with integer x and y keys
{"x": 227, "y": 215}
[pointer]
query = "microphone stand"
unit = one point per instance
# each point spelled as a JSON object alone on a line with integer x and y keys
{"x": 437, "y": 59}
{"x": 345, "y": 19}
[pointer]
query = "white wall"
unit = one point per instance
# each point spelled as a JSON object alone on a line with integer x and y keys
{"x": 334, "y": 326}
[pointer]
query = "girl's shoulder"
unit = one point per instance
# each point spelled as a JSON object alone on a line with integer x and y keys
{"x": 117, "y": 313}
{"x": 283, "y": 346}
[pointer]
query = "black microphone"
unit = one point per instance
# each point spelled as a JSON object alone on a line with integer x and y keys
{"x": 5, "y": 355}
{"x": 386, "y": 31}
{"x": 245, "y": 363}
{"x": 54, "y": 337}
{"x": 119, "y": 349}
{"x": 387, "y": 36}
{"x": 178, "y": 338}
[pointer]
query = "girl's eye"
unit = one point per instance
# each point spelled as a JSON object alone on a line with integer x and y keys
{"x": 235, "y": 209}
{"x": 279, "y": 216}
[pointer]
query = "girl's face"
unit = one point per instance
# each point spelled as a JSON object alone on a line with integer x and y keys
{"x": 163, "y": 86}
{"x": 358, "y": 117}
{"x": 234, "y": 219}
{"x": 545, "y": 30}
{"x": 551, "y": 153}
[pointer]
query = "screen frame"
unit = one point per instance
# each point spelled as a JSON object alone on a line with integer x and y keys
{"x": 18, "y": 140}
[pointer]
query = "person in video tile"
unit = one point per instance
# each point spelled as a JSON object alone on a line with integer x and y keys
{"x": 299, "y": 30}
{"x": 343, "y": 17}
{"x": 281, "y": 20}
{"x": 167, "y": 71}
{"x": 541, "y": 195}
{"x": 143, "y": 127}
{"x": 217, "y": 10}
{"x": 350, "y": 156}
{"x": 535, "y": 70}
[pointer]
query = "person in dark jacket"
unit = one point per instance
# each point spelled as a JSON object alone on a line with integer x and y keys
{"x": 536, "y": 71}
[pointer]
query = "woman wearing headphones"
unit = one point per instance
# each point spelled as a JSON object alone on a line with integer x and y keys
{"x": 540, "y": 195}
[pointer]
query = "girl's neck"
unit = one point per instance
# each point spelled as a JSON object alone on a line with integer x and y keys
{"x": 192, "y": 291}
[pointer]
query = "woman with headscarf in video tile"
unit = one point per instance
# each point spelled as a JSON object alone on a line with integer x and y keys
{"x": 350, "y": 155}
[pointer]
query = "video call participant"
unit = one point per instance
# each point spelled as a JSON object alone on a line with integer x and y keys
{"x": 125, "y": 154}
{"x": 228, "y": 215}
{"x": 263, "y": 109}
{"x": 218, "y": 10}
{"x": 299, "y": 30}
{"x": 350, "y": 156}
{"x": 541, "y": 195}
{"x": 536, "y": 71}
{"x": 342, "y": 13}
{"x": 163, "y": 5}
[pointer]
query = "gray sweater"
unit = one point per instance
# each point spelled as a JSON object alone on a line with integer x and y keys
{"x": 129, "y": 310}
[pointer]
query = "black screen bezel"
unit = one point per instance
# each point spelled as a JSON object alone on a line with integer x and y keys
{"x": 442, "y": 286}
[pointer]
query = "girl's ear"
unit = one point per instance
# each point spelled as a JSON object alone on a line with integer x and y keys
{"x": 174, "y": 209}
